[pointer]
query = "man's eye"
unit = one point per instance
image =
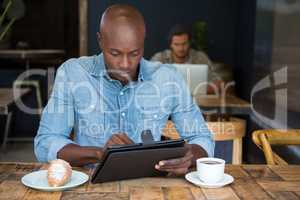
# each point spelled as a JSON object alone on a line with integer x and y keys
{"x": 114, "y": 53}
{"x": 135, "y": 54}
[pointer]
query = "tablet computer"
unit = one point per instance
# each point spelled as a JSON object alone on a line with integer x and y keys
{"x": 121, "y": 162}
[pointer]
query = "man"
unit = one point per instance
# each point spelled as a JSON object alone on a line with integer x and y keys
{"x": 111, "y": 98}
{"x": 180, "y": 52}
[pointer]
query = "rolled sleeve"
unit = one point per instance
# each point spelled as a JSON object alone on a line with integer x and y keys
{"x": 192, "y": 127}
{"x": 56, "y": 146}
{"x": 189, "y": 121}
{"x": 57, "y": 120}
{"x": 206, "y": 143}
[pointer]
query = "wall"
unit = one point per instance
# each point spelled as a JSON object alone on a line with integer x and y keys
{"x": 160, "y": 16}
{"x": 269, "y": 42}
{"x": 49, "y": 24}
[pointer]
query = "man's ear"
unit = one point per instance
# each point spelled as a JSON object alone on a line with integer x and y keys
{"x": 99, "y": 40}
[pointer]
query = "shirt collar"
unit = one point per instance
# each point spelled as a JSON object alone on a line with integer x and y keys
{"x": 99, "y": 69}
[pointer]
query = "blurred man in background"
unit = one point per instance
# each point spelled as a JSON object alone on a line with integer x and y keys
{"x": 180, "y": 52}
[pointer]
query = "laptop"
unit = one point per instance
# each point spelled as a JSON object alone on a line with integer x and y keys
{"x": 195, "y": 75}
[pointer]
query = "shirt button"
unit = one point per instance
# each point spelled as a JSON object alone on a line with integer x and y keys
{"x": 155, "y": 116}
{"x": 121, "y": 93}
{"x": 123, "y": 114}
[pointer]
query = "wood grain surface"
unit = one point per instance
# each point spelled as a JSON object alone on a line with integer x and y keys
{"x": 251, "y": 182}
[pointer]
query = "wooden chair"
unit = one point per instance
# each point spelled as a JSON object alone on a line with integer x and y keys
{"x": 36, "y": 86}
{"x": 234, "y": 129}
{"x": 265, "y": 138}
{"x": 170, "y": 132}
{"x": 8, "y": 100}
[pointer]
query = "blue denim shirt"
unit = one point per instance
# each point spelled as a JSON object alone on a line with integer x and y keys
{"x": 86, "y": 100}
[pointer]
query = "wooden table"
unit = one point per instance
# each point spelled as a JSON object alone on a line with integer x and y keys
{"x": 251, "y": 182}
{"x": 230, "y": 105}
{"x": 28, "y": 54}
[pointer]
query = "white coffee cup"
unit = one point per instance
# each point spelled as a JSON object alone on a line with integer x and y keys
{"x": 210, "y": 170}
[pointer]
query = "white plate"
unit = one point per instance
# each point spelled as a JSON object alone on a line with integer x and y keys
{"x": 193, "y": 178}
{"x": 38, "y": 180}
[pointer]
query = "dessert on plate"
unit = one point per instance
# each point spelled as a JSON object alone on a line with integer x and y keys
{"x": 59, "y": 173}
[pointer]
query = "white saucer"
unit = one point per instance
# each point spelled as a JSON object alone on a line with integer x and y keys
{"x": 38, "y": 180}
{"x": 193, "y": 178}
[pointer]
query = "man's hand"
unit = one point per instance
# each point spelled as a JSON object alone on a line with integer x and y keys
{"x": 181, "y": 165}
{"x": 118, "y": 139}
{"x": 81, "y": 155}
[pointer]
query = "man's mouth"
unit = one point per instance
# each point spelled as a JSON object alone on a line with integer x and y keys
{"x": 124, "y": 73}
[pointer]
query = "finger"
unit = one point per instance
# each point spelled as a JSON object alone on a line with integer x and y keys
{"x": 109, "y": 142}
{"x": 186, "y": 164}
{"x": 178, "y": 171}
{"x": 188, "y": 146}
{"x": 113, "y": 140}
{"x": 172, "y": 175}
{"x": 124, "y": 138}
{"x": 116, "y": 139}
{"x": 175, "y": 162}
{"x": 121, "y": 138}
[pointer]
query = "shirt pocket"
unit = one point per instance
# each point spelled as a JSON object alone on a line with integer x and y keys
{"x": 90, "y": 116}
{"x": 92, "y": 126}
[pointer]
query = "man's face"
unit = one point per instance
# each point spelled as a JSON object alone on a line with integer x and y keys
{"x": 122, "y": 51}
{"x": 180, "y": 45}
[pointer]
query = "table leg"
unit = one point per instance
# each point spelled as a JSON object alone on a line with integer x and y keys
{"x": 6, "y": 131}
{"x": 237, "y": 151}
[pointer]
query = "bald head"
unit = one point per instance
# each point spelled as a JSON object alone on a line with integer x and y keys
{"x": 122, "y": 18}
{"x": 121, "y": 38}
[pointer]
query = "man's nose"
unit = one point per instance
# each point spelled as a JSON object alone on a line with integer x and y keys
{"x": 125, "y": 63}
{"x": 181, "y": 47}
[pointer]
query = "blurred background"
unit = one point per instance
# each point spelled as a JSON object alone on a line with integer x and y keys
{"x": 250, "y": 40}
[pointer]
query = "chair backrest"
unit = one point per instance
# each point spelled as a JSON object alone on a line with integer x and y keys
{"x": 36, "y": 85}
{"x": 265, "y": 138}
{"x": 170, "y": 131}
{"x": 234, "y": 129}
